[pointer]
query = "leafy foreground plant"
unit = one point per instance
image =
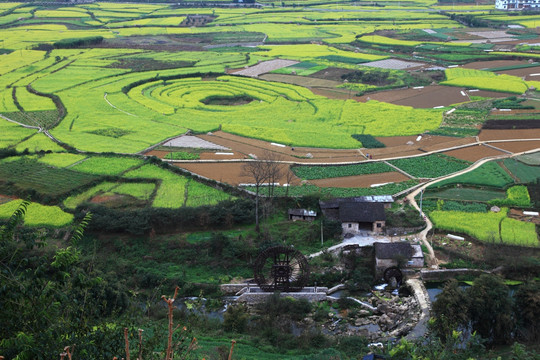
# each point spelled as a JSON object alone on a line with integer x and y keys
{"x": 179, "y": 347}
{"x": 48, "y": 298}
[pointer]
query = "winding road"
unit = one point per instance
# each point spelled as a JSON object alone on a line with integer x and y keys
{"x": 422, "y": 236}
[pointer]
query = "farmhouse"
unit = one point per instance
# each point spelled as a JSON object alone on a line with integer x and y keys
{"x": 402, "y": 254}
{"x": 517, "y": 4}
{"x": 302, "y": 214}
{"x": 358, "y": 214}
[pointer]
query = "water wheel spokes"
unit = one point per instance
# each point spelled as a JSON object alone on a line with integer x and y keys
{"x": 281, "y": 268}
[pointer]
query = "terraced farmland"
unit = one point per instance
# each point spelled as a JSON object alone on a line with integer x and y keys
{"x": 121, "y": 78}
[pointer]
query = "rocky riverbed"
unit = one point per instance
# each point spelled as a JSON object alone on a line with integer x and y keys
{"x": 395, "y": 316}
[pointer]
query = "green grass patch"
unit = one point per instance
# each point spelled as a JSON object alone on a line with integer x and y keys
{"x": 465, "y": 194}
{"x": 141, "y": 191}
{"x": 102, "y": 165}
{"x": 342, "y": 59}
{"x": 37, "y": 214}
{"x": 488, "y": 174}
{"x": 430, "y": 166}
{"x": 513, "y": 67}
{"x": 324, "y": 172}
{"x": 484, "y": 80}
{"x": 302, "y": 69}
{"x": 29, "y": 175}
{"x": 485, "y": 227}
{"x": 60, "y": 160}
{"x": 530, "y": 159}
{"x": 111, "y": 132}
{"x": 515, "y": 196}
{"x": 182, "y": 155}
{"x": 175, "y": 191}
{"x": 525, "y": 173}
{"x": 45, "y": 118}
{"x": 304, "y": 190}
{"x": 73, "y": 201}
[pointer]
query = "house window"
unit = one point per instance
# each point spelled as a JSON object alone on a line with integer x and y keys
{"x": 379, "y": 225}
{"x": 350, "y": 225}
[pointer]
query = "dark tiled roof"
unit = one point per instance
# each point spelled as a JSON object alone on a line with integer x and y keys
{"x": 302, "y": 212}
{"x": 361, "y": 212}
{"x": 334, "y": 203}
{"x": 391, "y": 250}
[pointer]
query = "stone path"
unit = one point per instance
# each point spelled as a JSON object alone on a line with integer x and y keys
{"x": 422, "y": 298}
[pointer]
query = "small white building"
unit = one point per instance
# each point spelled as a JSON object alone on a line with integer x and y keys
{"x": 302, "y": 214}
{"x": 517, "y": 4}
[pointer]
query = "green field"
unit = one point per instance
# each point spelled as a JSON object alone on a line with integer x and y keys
{"x": 525, "y": 173}
{"x": 153, "y": 70}
{"x": 489, "y": 174}
{"x": 430, "y": 166}
{"x": 465, "y": 194}
{"x": 175, "y": 191}
{"x": 304, "y": 190}
{"x": 323, "y": 172}
{"x": 485, "y": 80}
{"x": 37, "y": 214}
{"x": 485, "y": 227}
{"x": 106, "y": 165}
{"x": 28, "y": 174}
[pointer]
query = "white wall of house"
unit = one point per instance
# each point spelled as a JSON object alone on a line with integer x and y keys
{"x": 350, "y": 227}
{"x": 517, "y": 4}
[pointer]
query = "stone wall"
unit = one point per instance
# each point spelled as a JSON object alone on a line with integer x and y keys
{"x": 446, "y": 274}
{"x": 258, "y": 297}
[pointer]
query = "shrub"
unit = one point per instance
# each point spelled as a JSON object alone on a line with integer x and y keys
{"x": 515, "y": 196}
{"x": 77, "y": 42}
{"x": 368, "y": 141}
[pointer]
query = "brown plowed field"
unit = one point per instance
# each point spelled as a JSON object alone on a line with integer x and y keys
{"x": 340, "y": 94}
{"x": 248, "y": 146}
{"x": 486, "y": 135}
{"x": 229, "y": 172}
{"x": 524, "y": 72}
{"x": 396, "y": 146}
{"x": 360, "y": 180}
{"x": 393, "y": 152}
{"x": 300, "y": 80}
{"x": 518, "y": 146}
{"x": 490, "y": 94}
{"x": 493, "y": 64}
{"x": 448, "y": 144}
{"x": 427, "y": 97}
{"x": 7, "y": 198}
{"x": 473, "y": 153}
{"x": 425, "y": 141}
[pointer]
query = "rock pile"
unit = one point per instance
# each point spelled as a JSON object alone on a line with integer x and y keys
{"x": 394, "y": 317}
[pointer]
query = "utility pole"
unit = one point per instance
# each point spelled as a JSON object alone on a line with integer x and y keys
{"x": 322, "y": 240}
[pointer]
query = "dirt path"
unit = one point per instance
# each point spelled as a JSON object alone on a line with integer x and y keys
{"x": 429, "y": 225}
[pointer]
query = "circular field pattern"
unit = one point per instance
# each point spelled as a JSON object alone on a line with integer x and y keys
{"x": 283, "y": 113}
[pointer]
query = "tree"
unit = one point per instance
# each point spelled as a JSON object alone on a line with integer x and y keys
{"x": 289, "y": 177}
{"x": 450, "y": 310}
{"x": 48, "y": 298}
{"x": 490, "y": 309}
{"x": 257, "y": 171}
{"x": 527, "y": 301}
{"x": 264, "y": 170}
